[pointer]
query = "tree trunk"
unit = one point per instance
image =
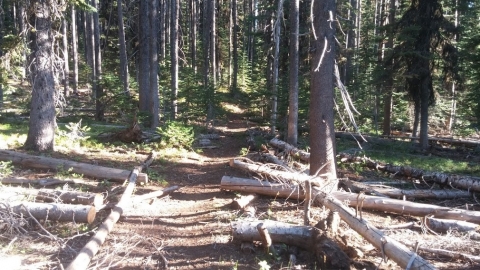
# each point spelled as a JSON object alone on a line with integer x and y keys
{"x": 98, "y": 89}
{"x": 42, "y": 123}
{"x": 74, "y": 49}
{"x": 86, "y": 254}
{"x": 122, "y": 50}
{"x": 66, "y": 69}
{"x": 39, "y": 162}
{"x": 154, "y": 101}
{"x": 388, "y": 84}
{"x": 56, "y": 212}
{"x": 322, "y": 130}
{"x": 193, "y": 34}
{"x": 276, "y": 38}
{"x": 292, "y": 133}
{"x": 175, "y": 5}
{"x": 143, "y": 57}
{"x": 234, "y": 89}
{"x": 70, "y": 197}
{"x": 213, "y": 42}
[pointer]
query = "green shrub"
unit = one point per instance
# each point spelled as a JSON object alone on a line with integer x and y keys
{"x": 176, "y": 134}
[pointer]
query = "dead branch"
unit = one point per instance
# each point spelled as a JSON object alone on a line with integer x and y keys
{"x": 56, "y": 212}
{"x": 290, "y": 149}
{"x": 445, "y": 225}
{"x": 155, "y": 194}
{"x": 448, "y": 253}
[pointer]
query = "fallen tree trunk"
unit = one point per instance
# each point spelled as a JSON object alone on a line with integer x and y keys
{"x": 85, "y": 255}
{"x": 290, "y": 149}
{"x": 469, "y": 183}
{"x": 406, "y": 193}
{"x": 445, "y": 225}
{"x": 38, "y": 162}
{"x": 391, "y": 248}
{"x": 362, "y": 201}
{"x": 70, "y": 197}
{"x": 155, "y": 194}
{"x": 56, "y": 212}
{"x": 40, "y": 182}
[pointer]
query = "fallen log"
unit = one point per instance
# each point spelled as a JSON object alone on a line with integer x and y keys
{"x": 155, "y": 194}
{"x": 447, "y": 253}
{"x": 391, "y": 248}
{"x": 406, "y": 193}
{"x": 469, "y": 183}
{"x": 40, "y": 182}
{"x": 83, "y": 258}
{"x": 290, "y": 149}
{"x": 70, "y": 197}
{"x": 362, "y": 201}
{"x": 445, "y": 225}
{"x": 38, "y": 162}
{"x": 56, "y": 212}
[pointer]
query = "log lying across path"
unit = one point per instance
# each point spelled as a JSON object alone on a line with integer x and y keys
{"x": 391, "y": 248}
{"x": 362, "y": 201}
{"x": 56, "y": 212}
{"x": 38, "y": 162}
{"x": 70, "y": 197}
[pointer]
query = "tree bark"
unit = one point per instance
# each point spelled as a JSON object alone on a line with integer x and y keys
{"x": 143, "y": 57}
{"x": 97, "y": 85}
{"x": 322, "y": 130}
{"x": 394, "y": 250}
{"x": 66, "y": 68}
{"x": 39, "y": 162}
{"x": 42, "y": 122}
{"x": 56, "y": 212}
{"x": 70, "y": 197}
{"x": 174, "y": 56}
{"x": 292, "y": 132}
{"x": 154, "y": 100}
{"x": 122, "y": 50}
{"x": 74, "y": 49}
{"x": 362, "y": 201}
{"x": 85, "y": 255}
{"x": 276, "y": 38}
{"x": 234, "y": 88}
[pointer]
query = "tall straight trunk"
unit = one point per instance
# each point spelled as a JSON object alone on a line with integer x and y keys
{"x": 1, "y": 51}
{"x": 162, "y": 30}
{"x": 89, "y": 40}
{"x": 66, "y": 69}
{"x": 193, "y": 34}
{"x": 416, "y": 118}
{"x": 234, "y": 89}
{"x": 230, "y": 45}
{"x": 154, "y": 102}
{"x": 21, "y": 21}
{"x": 292, "y": 133}
{"x": 42, "y": 122}
{"x": 213, "y": 42}
{"x": 174, "y": 55}
{"x": 322, "y": 131}
{"x": 388, "y": 85}
{"x": 453, "y": 95}
{"x": 74, "y": 49}
{"x": 123, "y": 49}
{"x": 99, "y": 102}
{"x": 276, "y": 37}
{"x": 206, "y": 44}
{"x": 144, "y": 54}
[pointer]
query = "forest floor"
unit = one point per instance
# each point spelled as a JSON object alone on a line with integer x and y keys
{"x": 191, "y": 228}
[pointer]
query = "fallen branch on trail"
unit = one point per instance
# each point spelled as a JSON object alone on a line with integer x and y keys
{"x": 85, "y": 255}
{"x": 391, "y": 248}
{"x": 41, "y": 182}
{"x": 355, "y": 200}
{"x": 70, "y": 197}
{"x": 469, "y": 183}
{"x": 445, "y": 225}
{"x": 290, "y": 149}
{"x": 448, "y": 253}
{"x": 155, "y": 194}
{"x": 38, "y": 162}
{"x": 56, "y": 212}
{"x": 405, "y": 193}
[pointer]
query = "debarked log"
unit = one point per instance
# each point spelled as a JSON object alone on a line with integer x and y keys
{"x": 391, "y": 248}
{"x": 363, "y": 201}
{"x": 155, "y": 194}
{"x": 70, "y": 197}
{"x": 290, "y": 149}
{"x": 56, "y": 212}
{"x": 38, "y": 162}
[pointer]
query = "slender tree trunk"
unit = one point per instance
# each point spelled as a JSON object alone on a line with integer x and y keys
{"x": 144, "y": 54}
{"x": 154, "y": 102}
{"x": 99, "y": 102}
{"x": 276, "y": 37}
{"x": 416, "y": 118}
{"x": 42, "y": 123}
{"x": 174, "y": 55}
{"x": 234, "y": 89}
{"x": 123, "y": 49}
{"x": 388, "y": 85}
{"x": 162, "y": 28}
{"x": 193, "y": 34}
{"x": 213, "y": 42}
{"x": 66, "y": 69}
{"x": 322, "y": 132}
{"x": 292, "y": 134}
{"x": 74, "y": 49}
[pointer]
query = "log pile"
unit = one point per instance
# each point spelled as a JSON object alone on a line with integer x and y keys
{"x": 278, "y": 181}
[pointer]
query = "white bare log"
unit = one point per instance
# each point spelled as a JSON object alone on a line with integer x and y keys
{"x": 56, "y": 211}
{"x": 448, "y": 253}
{"x": 445, "y": 225}
{"x": 362, "y": 201}
{"x": 243, "y": 201}
{"x": 391, "y": 248}
{"x": 38, "y": 162}
{"x": 83, "y": 258}
{"x": 40, "y": 182}
{"x": 155, "y": 194}
{"x": 70, "y": 197}
{"x": 290, "y": 149}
